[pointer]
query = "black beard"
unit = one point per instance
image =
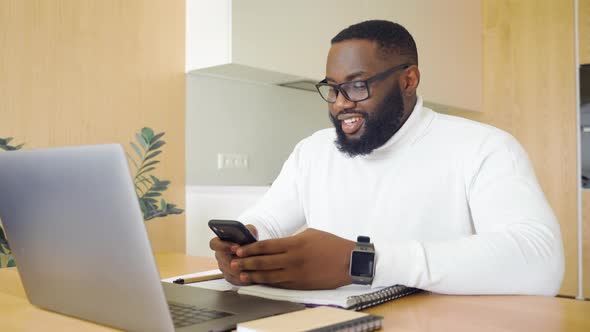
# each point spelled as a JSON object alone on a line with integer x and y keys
{"x": 379, "y": 127}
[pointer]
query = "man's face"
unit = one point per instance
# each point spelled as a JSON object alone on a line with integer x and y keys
{"x": 365, "y": 125}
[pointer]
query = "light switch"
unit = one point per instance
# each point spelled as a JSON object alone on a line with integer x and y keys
{"x": 232, "y": 160}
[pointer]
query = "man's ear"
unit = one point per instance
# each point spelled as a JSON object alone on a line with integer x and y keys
{"x": 410, "y": 81}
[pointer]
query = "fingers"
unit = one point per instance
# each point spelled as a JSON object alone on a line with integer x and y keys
{"x": 217, "y": 245}
{"x": 267, "y": 247}
{"x": 231, "y": 275}
{"x": 265, "y": 277}
{"x": 256, "y": 263}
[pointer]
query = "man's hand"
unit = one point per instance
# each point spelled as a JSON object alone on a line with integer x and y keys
{"x": 224, "y": 253}
{"x": 311, "y": 259}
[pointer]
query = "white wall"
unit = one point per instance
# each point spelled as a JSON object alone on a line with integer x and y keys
{"x": 214, "y": 202}
{"x": 262, "y": 121}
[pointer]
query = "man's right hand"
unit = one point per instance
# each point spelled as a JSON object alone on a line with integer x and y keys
{"x": 224, "y": 253}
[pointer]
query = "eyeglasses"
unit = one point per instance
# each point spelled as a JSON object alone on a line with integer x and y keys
{"x": 353, "y": 90}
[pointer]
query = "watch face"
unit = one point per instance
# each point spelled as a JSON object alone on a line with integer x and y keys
{"x": 362, "y": 264}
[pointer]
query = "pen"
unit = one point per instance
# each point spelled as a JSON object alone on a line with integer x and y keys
{"x": 183, "y": 281}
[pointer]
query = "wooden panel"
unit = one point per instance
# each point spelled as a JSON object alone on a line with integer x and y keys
{"x": 584, "y": 31}
{"x": 530, "y": 92}
{"x": 586, "y": 242}
{"x": 96, "y": 71}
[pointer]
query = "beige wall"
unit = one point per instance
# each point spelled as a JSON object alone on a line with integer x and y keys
{"x": 446, "y": 32}
{"x": 529, "y": 90}
{"x": 584, "y": 30}
{"x": 95, "y": 71}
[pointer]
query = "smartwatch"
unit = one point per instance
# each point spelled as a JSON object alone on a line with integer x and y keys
{"x": 362, "y": 261}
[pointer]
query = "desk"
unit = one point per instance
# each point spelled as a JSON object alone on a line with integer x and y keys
{"x": 421, "y": 312}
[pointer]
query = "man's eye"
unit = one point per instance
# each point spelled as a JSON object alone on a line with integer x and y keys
{"x": 358, "y": 85}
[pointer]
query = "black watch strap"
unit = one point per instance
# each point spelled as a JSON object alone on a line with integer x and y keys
{"x": 363, "y": 239}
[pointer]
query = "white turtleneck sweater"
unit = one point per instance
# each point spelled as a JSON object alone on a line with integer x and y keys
{"x": 452, "y": 206}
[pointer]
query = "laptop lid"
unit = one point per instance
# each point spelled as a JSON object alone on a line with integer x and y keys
{"x": 78, "y": 237}
{"x": 76, "y": 231}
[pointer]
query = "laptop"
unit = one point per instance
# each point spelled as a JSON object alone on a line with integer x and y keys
{"x": 79, "y": 240}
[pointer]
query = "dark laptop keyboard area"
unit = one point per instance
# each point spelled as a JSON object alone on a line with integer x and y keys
{"x": 186, "y": 315}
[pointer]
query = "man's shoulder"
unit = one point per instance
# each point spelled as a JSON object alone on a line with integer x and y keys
{"x": 459, "y": 128}
{"x": 472, "y": 135}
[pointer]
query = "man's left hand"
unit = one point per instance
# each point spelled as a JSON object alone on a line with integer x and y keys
{"x": 311, "y": 259}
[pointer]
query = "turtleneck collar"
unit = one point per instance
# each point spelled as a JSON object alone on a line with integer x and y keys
{"x": 418, "y": 121}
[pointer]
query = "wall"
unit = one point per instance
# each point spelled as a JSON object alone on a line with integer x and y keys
{"x": 262, "y": 121}
{"x": 529, "y": 90}
{"x": 446, "y": 32}
{"x": 204, "y": 203}
{"x": 96, "y": 71}
{"x": 584, "y": 31}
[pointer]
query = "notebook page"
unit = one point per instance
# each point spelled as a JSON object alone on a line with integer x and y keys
{"x": 335, "y": 297}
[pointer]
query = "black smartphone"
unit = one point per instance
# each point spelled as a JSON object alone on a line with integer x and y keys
{"x": 232, "y": 231}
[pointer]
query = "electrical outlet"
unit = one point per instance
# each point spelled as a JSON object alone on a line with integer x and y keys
{"x": 232, "y": 160}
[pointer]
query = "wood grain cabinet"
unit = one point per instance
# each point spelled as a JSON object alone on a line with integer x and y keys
{"x": 584, "y": 31}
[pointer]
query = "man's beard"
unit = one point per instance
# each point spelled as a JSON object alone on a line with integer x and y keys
{"x": 379, "y": 127}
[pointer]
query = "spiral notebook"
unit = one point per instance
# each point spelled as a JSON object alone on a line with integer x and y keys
{"x": 320, "y": 319}
{"x": 352, "y": 297}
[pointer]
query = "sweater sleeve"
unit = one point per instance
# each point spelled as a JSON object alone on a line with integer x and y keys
{"x": 279, "y": 213}
{"x": 516, "y": 247}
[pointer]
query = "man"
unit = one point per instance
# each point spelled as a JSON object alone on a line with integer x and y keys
{"x": 450, "y": 205}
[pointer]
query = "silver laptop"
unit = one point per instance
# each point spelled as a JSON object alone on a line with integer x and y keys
{"x": 74, "y": 224}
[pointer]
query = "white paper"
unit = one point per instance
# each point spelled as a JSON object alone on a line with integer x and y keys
{"x": 216, "y": 284}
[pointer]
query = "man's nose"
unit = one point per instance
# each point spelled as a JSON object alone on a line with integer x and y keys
{"x": 342, "y": 104}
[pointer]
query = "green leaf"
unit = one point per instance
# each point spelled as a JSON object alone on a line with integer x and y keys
{"x": 132, "y": 160}
{"x": 6, "y": 140}
{"x": 163, "y": 205}
{"x": 141, "y": 141}
{"x": 147, "y": 184}
{"x": 156, "y": 138}
{"x": 162, "y": 187}
{"x": 164, "y": 183}
{"x": 18, "y": 147}
{"x": 11, "y": 262}
{"x": 145, "y": 180}
{"x": 142, "y": 205}
{"x": 3, "y": 241}
{"x": 152, "y": 155}
{"x": 156, "y": 145}
{"x": 137, "y": 151}
{"x": 153, "y": 162}
{"x": 175, "y": 211}
{"x": 148, "y": 134}
{"x": 146, "y": 170}
{"x": 152, "y": 194}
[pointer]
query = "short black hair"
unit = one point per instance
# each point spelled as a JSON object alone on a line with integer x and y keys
{"x": 391, "y": 37}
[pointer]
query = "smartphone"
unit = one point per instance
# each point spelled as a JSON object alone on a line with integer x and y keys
{"x": 232, "y": 231}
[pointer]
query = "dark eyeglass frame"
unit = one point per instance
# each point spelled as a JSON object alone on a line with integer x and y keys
{"x": 338, "y": 87}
